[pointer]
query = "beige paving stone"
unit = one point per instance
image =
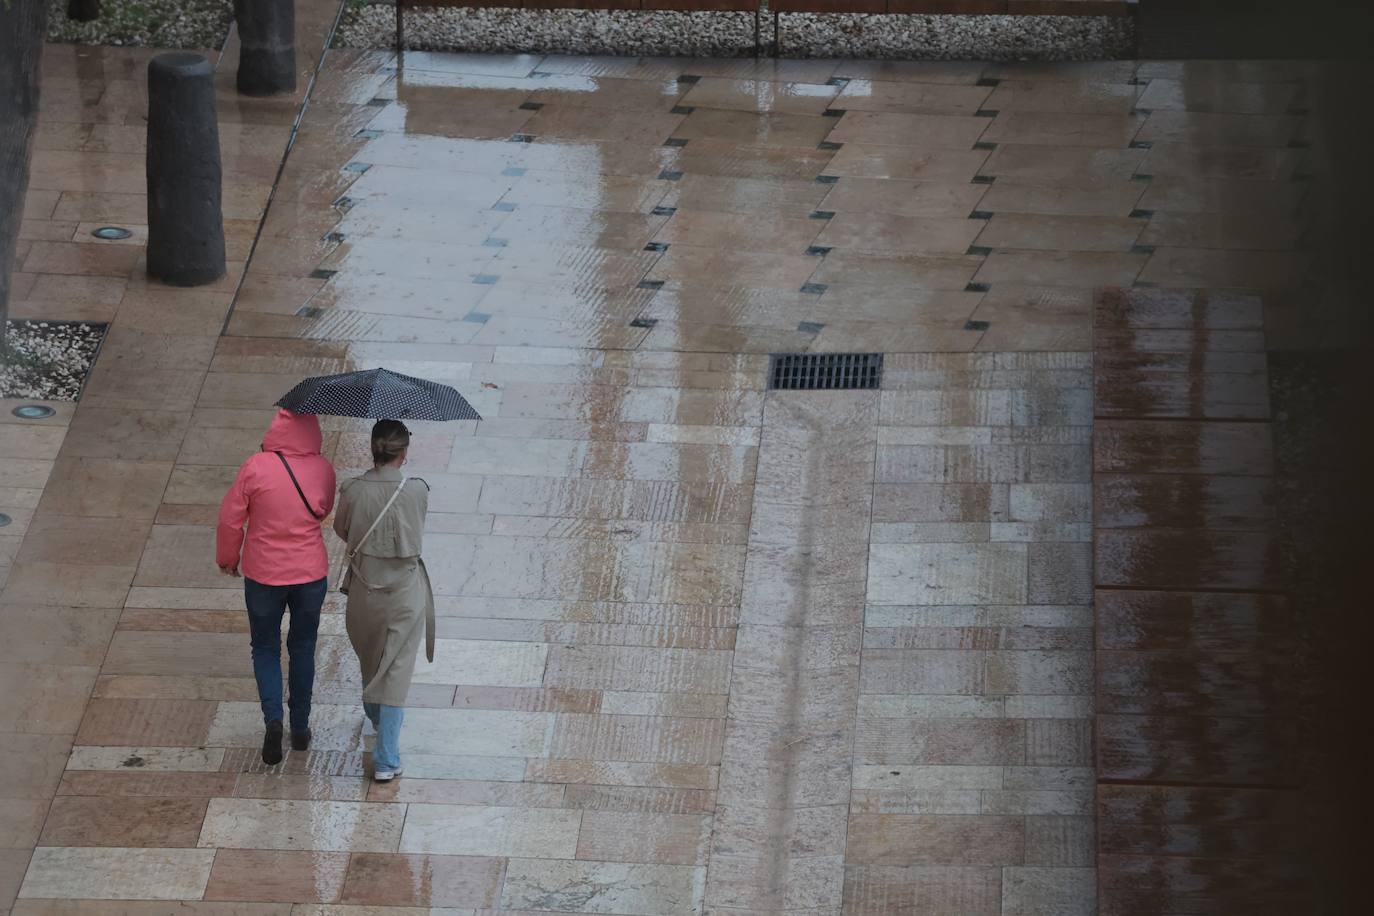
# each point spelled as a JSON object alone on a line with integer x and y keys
{"x": 48, "y": 699}
{"x": 484, "y": 663}
{"x": 539, "y": 833}
{"x": 55, "y": 635}
{"x": 169, "y": 759}
{"x": 37, "y": 761}
{"x": 118, "y": 874}
{"x": 486, "y": 733}
{"x": 1040, "y": 890}
{"x": 924, "y": 889}
{"x": 603, "y": 887}
{"x": 124, "y": 822}
{"x": 937, "y": 840}
{"x": 246, "y": 823}
{"x": 939, "y": 574}
{"x": 334, "y": 727}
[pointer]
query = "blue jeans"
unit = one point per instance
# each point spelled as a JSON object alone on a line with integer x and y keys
{"x": 387, "y": 720}
{"x": 266, "y": 606}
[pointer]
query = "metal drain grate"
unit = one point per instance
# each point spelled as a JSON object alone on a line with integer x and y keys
{"x": 825, "y": 371}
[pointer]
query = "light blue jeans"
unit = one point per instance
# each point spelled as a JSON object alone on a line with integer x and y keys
{"x": 387, "y": 721}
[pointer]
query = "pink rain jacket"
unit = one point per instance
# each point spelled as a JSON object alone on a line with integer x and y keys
{"x": 284, "y": 544}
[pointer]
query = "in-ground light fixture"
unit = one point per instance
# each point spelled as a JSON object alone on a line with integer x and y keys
{"x": 112, "y": 233}
{"x": 33, "y": 412}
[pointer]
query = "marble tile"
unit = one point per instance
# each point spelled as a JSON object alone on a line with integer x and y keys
{"x": 543, "y": 833}
{"x": 936, "y": 840}
{"x": 476, "y": 662}
{"x": 91, "y": 821}
{"x": 35, "y": 762}
{"x": 13, "y": 864}
{"x": 330, "y": 826}
{"x": 923, "y": 890}
{"x": 939, "y": 574}
{"x": 664, "y": 839}
{"x": 270, "y": 875}
{"x": 1067, "y": 891}
{"x": 46, "y": 699}
{"x": 132, "y": 783}
{"x": 422, "y": 881}
{"x": 604, "y": 887}
{"x": 118, "y": 874}
{"x": 21, "y": 821}
{"x": 333, "y": 727}
{"x": 476, "y": 732}
{"x": 53, "y": 635}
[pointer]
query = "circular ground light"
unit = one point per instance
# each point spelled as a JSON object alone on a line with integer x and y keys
{"x": 33, "y": 412}
{"x": 112, "y": 233}
{"x": 4, "y": 519}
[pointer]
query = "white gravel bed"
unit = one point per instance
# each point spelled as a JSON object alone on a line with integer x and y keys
{"x": 48, "y": 360}
{"x": 146, "y": 23}
{"x": 643, "y": 34}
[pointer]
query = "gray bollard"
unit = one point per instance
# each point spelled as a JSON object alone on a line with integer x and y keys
{"x": 185, "y": 222}
{"x": 267, "y": 46}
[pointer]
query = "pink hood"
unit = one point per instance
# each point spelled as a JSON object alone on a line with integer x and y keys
{"x": 283, "y": 544}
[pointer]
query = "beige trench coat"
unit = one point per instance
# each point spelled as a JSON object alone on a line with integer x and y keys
{"x": 390, "y": 603}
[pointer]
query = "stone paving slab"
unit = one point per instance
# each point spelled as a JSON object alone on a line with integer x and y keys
{"x": 703, "y": 647}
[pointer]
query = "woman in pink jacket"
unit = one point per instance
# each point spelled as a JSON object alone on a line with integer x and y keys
{"x": 282, "y": 494}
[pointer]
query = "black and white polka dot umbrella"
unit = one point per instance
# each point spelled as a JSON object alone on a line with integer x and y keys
{"x": 378, "y": 394}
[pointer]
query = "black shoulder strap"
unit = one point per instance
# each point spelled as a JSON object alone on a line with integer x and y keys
{"x": 309, "y": 508}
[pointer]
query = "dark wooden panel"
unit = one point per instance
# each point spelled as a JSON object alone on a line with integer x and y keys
{"x": 1183, "y": 622}
{"x": 1194, "y": 675}
{"x": 1172, "y": 683}
{"x": 421, "y": 4}
{"x": 701, "y": 6}
{"x": 1179, "y": 501}
{"x": 1172, "y": 886}
{"x": 828, "y": 6}
{"x": 1181, "y": 361}
{"x": 1177, "y": 308}
{"x": 1212, "y": 396}
{"x": 957, "y": 7}
{"x": 1196, "y": 749}
{"x": 1181, "y": 804}
{"x": 1070, "y": 8}
{"x": 1188, "y": 821}
{"x": 1180, "y": 447}
{"x": 1191, "y": 559}
{"x": 1179, "y": 340}
{"x": 579, "y": 4}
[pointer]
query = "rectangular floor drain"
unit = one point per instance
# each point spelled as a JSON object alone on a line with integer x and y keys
{"x": 825, "y": 371}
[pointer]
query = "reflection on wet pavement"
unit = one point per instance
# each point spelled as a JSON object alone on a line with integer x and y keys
{"x": 703, "y": 648}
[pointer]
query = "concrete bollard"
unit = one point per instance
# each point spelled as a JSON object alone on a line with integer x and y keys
{"x": 267, "y": 46}
{"x": 185, "y": 221}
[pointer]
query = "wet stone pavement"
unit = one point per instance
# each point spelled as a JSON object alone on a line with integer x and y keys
{"x": 702, "y": 647}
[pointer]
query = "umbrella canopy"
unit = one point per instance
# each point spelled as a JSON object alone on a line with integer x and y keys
{"x": 378, "y": 394}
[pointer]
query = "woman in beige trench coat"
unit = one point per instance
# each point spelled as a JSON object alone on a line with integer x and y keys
{"x": 381, "y": 516}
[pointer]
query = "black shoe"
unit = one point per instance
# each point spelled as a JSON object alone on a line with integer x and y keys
{"x": 300, "y": 740}
{"x": 271, "y": 744}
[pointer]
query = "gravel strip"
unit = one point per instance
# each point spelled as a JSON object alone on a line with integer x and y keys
{"x": 48, "y": 360}
{"x": 146, "y": 23}
{"x": 644, "y": 34}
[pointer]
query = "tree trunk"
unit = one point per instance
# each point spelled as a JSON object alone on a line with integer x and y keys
{"x": 22, "y": 25}
{"x": 83, "y": 10}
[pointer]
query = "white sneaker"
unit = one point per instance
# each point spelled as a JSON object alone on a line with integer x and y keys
{"x": 386, "y": 775}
